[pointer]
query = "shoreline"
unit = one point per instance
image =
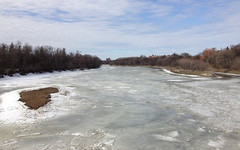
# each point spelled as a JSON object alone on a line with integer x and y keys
{"x": 40, "y": 73}
{"x": 191, "y": 72}
{"x": 37, "y": 98}
{"x": 207, "y": 73}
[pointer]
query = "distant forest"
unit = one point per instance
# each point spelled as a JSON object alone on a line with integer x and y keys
{"x": 23, "y": 59}
{"x": 210, "y": 59}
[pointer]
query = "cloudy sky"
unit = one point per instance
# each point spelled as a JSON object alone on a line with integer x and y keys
{"x": 120, "y": 28}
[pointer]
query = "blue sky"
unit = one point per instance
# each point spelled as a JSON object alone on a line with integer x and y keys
{"x": 109, "y": 28}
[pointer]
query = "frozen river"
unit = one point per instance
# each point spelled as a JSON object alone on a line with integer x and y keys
{"x": 122, "y": 108}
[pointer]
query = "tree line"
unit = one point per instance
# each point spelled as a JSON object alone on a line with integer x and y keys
{"x": 23, "y": 59}
{"x": 226, "y": 59}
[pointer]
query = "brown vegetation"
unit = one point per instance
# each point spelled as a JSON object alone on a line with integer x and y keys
{"x": 227, "y": 59}
{"x": 37, "y": 98}
{"x": 236, "y": 63}
{"x": 184, "y": 61}
{"x": 191, "y": 64}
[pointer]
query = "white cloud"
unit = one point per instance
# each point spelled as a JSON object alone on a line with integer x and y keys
{"x": 70, "y": 8}
{"x": 130, "y": 26}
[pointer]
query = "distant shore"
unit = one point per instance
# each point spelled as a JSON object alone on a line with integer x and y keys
{"x": 25, "y": 59}
{"x": 37, "y": 98}
{"x": 209, "y": 73}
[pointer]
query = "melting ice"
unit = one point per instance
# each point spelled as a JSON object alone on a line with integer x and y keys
{"x": 122, "y": 108}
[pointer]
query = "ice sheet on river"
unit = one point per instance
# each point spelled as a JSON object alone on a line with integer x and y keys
{"x": 219, "y": 104}
{"x": 116, "y": 107}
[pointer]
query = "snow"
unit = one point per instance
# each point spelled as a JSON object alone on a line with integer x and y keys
{"x": 168, "y": 71}
{"x": 9, "y": 101}
{"x": 173, "y": 134}
{"x": 10, "y": 142}
{"x": 201, "y": 129}
{"x": 185, "y": 75}
{"x": 13, "y": 111}
{"x": 170, "y": 137}
{"x": 175, "y": 80}
{"x": 219, "y": 143}
{"x": 78, "y": 134}
{"x": 27, "y": 135}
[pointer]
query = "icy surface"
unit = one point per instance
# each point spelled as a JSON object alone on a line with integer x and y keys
{"x": 122, "y": 108}
{"x": 170, "y": 137}
{"x": 219, "y": 143}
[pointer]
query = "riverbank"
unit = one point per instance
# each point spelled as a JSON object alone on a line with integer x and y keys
{"x": 37, "y": 98}
{"x": 18, "y": 59}
{"x": 207, "y": 73}
{"x": 191, "y": 72}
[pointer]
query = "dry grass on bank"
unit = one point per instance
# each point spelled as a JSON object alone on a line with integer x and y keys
{"x": 37, "y": 98}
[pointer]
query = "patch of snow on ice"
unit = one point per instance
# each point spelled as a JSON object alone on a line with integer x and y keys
{"x": 175, "y": 80}
{"x": 201, "y": 129}
{"x": 165, "y": 138}
{"x": 9, "y": 143}
{"x": 13, "y": 111}
{"x": 78, "y": 134}
{"x": 168, "y": 71}
{"x": 173, "y": 134}
{"x": 26, "y": 135}
{"x": 219, "y": 143}
{"x": 196, "y": 77}
{"x": 171, "y": 137}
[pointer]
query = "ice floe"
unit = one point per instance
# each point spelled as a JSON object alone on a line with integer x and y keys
{"x": 170, "y": 137}
{"x": 201, "y": 129}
